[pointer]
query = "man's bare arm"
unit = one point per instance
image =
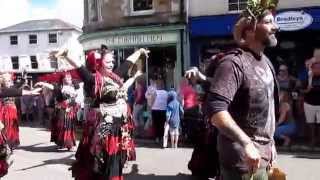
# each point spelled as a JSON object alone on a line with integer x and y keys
{"x": 228, "y": 127}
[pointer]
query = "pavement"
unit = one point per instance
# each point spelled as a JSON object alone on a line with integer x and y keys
{"x": 38, "y": 159}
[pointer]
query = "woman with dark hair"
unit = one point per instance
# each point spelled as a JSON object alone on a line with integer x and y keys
{"x": 64, "y": 120}
{"x": 106, "y": 144}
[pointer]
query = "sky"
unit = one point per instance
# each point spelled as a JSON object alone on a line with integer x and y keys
{"x": 17, "y": 11}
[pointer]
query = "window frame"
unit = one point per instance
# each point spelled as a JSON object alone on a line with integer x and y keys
{"x": 56, "y": 38}
{"x": 36, "y": 39}
{"x": 141, "y": 12}
{"x": 15, "y": 65}
{"x": 14, "y": 41}
{"x": 53, "y": 61}
{"x": 34, "y": 62}
{"x": 238, "y": 3}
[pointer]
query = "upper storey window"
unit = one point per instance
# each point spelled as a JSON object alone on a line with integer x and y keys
{"x": 52, "y": 37}
{"x": 237, "y": 5}
{"x": 13, "y": 40}
{"x": 142, "y": 7}
{"x": 33, "y": 39}
{"x": 93, "y": 10}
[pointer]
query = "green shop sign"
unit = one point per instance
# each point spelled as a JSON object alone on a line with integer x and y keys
{"x": 131, "y": 39}
{"x": 141, "y": 39}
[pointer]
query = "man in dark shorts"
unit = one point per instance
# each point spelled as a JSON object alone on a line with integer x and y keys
{"x": 243, "y": 97}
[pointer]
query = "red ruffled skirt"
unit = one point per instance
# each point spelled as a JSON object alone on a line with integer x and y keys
{"x": 63, "y": 127}
{"x": 3, "y": 162}
{"x": 82, "y": 169}
{"x": 9, "y": 117}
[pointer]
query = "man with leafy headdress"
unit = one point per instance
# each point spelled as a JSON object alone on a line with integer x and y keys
{"x": 243, "y": 96}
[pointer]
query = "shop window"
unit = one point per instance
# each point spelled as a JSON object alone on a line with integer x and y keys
{"x": 52, "y": 38}
{"x": 237, "y": 5}
{"x": 15, "y": 62}
{"x": 142, "y": 7}
{"x": 33, "y": 39}
{"x": 34, "y": 62}
{"x": 13, "y": 40}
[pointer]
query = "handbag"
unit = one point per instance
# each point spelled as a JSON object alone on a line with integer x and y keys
{"x": 276, "y": 173}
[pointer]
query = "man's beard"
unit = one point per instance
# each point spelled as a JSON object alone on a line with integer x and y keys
{"x": 270, "y": 41}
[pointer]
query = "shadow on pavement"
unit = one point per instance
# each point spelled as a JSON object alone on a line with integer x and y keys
{"x": 37, "y": 148}
{"x": 134, "y": 175}
{"x": 308, "y": 156}
{"x": 302, "y": 155}
{"x": 65, "y": 160}
{"x": 33, "y": 124}
{"x": 147, "y": 143}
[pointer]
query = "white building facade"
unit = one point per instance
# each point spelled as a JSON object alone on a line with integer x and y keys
{"x": 27, "y": 46}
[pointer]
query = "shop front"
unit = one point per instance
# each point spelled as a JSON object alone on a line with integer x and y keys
{"x": 299, "y": 35}
{"x": 210, "y": 35}
{"x": 166, "y": 44}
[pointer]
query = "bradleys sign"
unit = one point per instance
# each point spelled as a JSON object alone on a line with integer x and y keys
{"x": 293, "y": 20}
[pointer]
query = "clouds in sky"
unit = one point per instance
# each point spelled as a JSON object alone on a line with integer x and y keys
{"x": 16, "y": 11}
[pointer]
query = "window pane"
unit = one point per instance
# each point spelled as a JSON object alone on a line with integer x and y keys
{"x": 32, "y": 39}
{"x": 243, "y": 6}
{"x": 54, "y": 63}
{"x": 142, "y": 5}
{"x": 93, "y": 10}
{"x": 233, "y": 7}
{"x": 233, "y": 1}
{"x": 52, "y": 38}
{"x": 13, "y": 40}
{"x": 15, "y": 62}
{"x": 34, "y": 62}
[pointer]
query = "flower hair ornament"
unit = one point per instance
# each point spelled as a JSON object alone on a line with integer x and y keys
{"x": 256, "y": 9}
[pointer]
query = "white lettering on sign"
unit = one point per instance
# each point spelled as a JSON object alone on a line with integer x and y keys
{"x": 293, "y": 20}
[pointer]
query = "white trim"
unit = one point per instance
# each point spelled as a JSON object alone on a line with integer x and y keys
{"x": 142, "y": 12}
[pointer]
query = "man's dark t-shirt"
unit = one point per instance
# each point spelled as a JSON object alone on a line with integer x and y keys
{"x": 313, "y": 96}
{"x": 246, "y": 83}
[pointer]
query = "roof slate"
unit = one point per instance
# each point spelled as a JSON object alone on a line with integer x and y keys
{"x": 40, "y": 25}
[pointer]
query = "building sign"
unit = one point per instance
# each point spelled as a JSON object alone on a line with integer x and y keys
{"x": 293, "y": 20}
{"x": 132, "y": 39}
{"x": 141, "y": 39}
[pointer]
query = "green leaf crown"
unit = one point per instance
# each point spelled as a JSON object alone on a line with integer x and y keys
{"x": 256, "y": 8}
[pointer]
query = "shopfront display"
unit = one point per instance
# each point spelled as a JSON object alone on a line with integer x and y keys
{"x": 298, "y": 36}
{"x": 166, "y": 44}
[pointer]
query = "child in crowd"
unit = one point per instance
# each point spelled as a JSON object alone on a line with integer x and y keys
{"x": 172, "y": 124}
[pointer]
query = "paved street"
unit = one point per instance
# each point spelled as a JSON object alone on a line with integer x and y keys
{"x": 37, "y": 159}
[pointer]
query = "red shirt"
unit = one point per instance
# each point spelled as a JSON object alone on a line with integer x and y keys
{"x": 190, "y": 97}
